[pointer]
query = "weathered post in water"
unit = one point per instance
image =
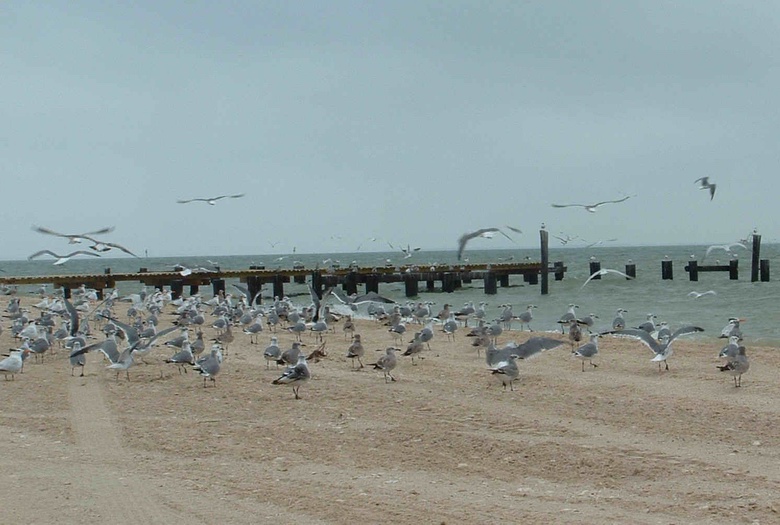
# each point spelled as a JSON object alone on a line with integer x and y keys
{"x": 630, "y": 269}
{"x": 754, "y": 267}
{"x": 545, "y": 260}
{"x": 764, "y": 270}
{"x": 693, "y": 270}
{"x": 411, "y": 285}
{"x": 734, "y": 269}
{"x": 667, "y": 270}
{"x": 594, "y": 267}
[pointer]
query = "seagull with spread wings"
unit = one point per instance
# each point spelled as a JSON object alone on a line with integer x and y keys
{"x": 486, "y": 233}
{"x": 211, "y": 200}
{"x": 73, "y": 238}
{"x": 591, "y": 207}
{"x": 61, "y": 259}
{"x": 604, "y": 271}
{"x": 705, "y": 184}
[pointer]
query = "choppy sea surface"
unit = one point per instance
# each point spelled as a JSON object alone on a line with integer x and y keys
{"x": 755, "y": 302}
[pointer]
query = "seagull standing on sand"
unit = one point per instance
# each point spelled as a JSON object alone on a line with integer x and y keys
{"x": 356, "y": 351}
{"x": 705, "y": 184}
{"x": 526, "y": 317}
{"x": 507, "y": 371}
{"x": 272, "y": 352}
{"x": 737, "y": 366}
{"x": 588, "y": 351}
{"x": 210, "y": 365}
{"x": 295, "y": 375}
{"x": 13, "y": 363}
{"x": 387, "y": 362}
{"x": 570, "y": 315}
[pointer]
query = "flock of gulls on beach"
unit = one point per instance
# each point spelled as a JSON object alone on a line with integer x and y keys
{"x": 76, "y": 325}
{"x": 87, "y": 324}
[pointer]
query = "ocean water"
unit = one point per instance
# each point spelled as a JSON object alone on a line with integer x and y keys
{"x": 755, "y": 302}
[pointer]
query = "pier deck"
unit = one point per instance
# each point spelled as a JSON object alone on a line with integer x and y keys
{"x": 451, "y": 277}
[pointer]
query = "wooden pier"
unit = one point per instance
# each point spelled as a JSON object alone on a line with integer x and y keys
{"x": 450, "y": 277}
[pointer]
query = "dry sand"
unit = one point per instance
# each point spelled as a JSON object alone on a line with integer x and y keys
{"x": 621, "y": 443}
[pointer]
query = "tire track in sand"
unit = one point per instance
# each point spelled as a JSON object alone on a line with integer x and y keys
{"x": 108, "y": 485}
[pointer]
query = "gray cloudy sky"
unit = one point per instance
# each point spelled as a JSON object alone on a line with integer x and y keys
{"x": 409, "y": 121}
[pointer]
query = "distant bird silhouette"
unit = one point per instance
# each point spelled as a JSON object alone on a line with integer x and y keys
{"x": 591, "y": 207}
{"x": 211, "y": 200}
{"x": 705, "y": 184}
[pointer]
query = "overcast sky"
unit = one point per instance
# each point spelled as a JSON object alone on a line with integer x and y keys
{"x": 407, "y": 121}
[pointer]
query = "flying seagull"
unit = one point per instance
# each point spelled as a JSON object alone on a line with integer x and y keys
{"x": 592, "y": 207}
{"x": 696, "y": 294}
{"x": 212, "y": 200}
{"x": 61, "y": 259}
{"x": 74, "y": 238}
{"x": 705, "y": 184}
{"x": 486, "y": 233}
{"x": 103, "y": 246}
{"x": 726, "y": 247}
{"x": 604, "y": 271}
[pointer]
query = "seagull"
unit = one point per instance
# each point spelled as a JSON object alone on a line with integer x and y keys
{"x": 13, "y": 363}
{"x": 486, "y": 233}
{"x": 507, "y": 371}
{"x": 588, "y": 351}
{"x": 210, "y": 365}
{"x": 387, "y": 362}
{"x": 73, "y": 238}
{"x": 663, "y": 350}
{"x": 592, "y": 207}
{"x": 272, "y": 352}
{"x": 737, "y": 366}
{"x": 732, "y": 328}
{"x": 618, "y": 323}
{"x": 61, "y": 259}
{"x": 526, "y": 317}
{"x": 726, "y": 247}
{"x": 696, "y": 294}
{"x": 356, "y": 351}
{"x": 212, "y": 200}
{"x": 531, "y": 348}
{"x": 103, "y": 246}
{"x": 604, "y": 271}
{"x": 568, "y": 316}
{"x": 706, "y": 185}
{"x": 295, "y": 375}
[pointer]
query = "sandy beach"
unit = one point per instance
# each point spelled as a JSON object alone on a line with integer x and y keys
{"x": 621, "y": 443}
